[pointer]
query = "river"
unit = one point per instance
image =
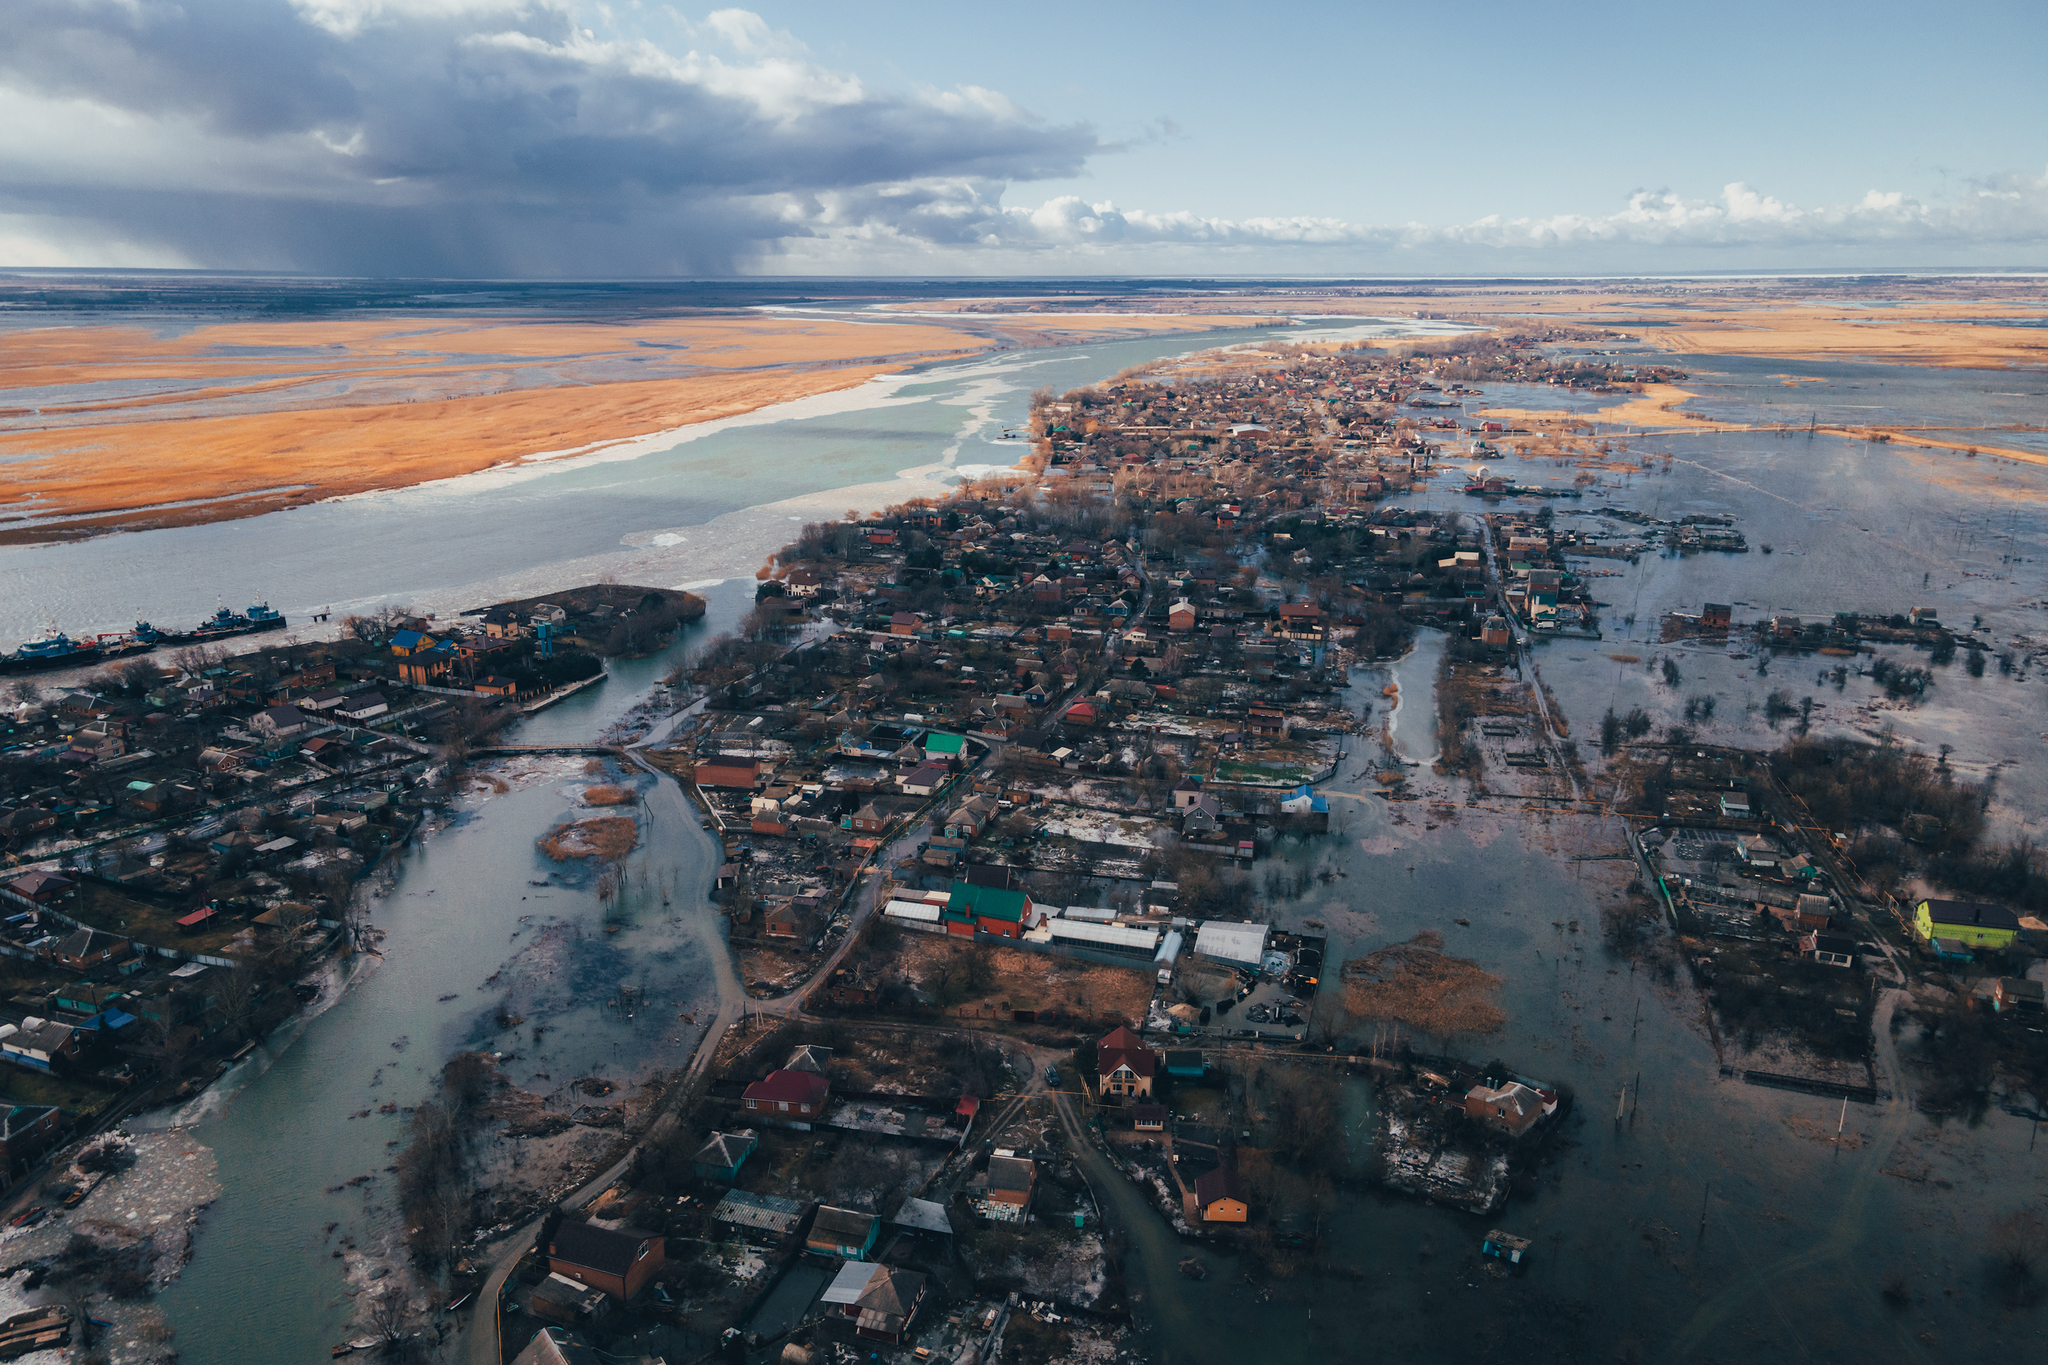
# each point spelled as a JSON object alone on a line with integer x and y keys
{"x": 467, "y": 938}
{"x": 700, "y": 503}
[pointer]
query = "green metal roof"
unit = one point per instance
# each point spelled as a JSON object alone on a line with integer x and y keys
{"x": 940, "y": 743}
{"x": 986, "y": 902}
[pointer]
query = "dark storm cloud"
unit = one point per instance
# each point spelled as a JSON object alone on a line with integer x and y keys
{"x": 434, "y": 136}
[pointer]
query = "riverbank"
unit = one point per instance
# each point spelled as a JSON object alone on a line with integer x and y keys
{"x": 120, "y": 429}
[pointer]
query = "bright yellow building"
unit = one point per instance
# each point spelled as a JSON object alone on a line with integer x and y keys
{"x": 1977, "y": 924}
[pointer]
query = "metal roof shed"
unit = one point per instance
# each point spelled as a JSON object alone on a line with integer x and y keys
{"x": 1244, "y": 943}
{"x": 1113, "y": 936}
{"x": 850, "y": 1283}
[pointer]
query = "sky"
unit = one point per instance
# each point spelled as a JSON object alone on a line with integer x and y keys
{"x": 574, "y": 139}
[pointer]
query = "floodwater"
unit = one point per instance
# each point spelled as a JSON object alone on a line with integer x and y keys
{"x": 1798, "y": 1235}
{"x": 704, "y": 502}
{"x": 1853, "y": 526}
{"x": 1411, "y": 713}
{"x": 466, "y": 938}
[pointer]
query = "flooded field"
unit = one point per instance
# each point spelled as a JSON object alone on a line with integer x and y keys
{"x": 1851, "y": 525}
{"x": 1740, "y": 1226}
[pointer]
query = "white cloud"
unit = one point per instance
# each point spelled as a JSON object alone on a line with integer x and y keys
{"x": 512, "y": 137}
{"x": 346, "y": 18}
{"x": 748, "y": 34}
{"x": 2007, "y": 218}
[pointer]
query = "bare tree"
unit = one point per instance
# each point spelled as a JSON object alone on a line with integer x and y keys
{"x": 237, "y": 990}
{"x": 138, "y": 675}
{"x": 388, "y": 1315}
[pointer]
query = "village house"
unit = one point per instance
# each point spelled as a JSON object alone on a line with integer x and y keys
{"x": 1124, "y": 1067}
{"x": 279, "y": 722}
{"x": 617, "y": 1260}
{"x": 789, "y": 1094}
{"x": 845, "y": 1233}
{"x": 363, "y": 706}
{"x": 1513, "y": 1108}
{"x": 425, "y": 666}
{"x": 1828, "y": 950}
{"x": 970, "y": 816}
{"x": 84, "y": 949}
{"x": 1219, "y": 1196}
{"x": 37, "y": 889}
{"x": 722, "y": 1155}
{"x": 39, "y": 1044}
{"x": 326, "y": 699}
{"x": 728, "y": 772}
{"x": 26, "y": 1131}
{"x": 2016, "y": 993}
{"x": 987, "y": 909}
{"x": 1976, "y": 924}
{"x": 880, "y": 1301}
{"x": 924, "y": 780}
{"x": 502, "y": 623}
{"x": 1002, "y": 1193}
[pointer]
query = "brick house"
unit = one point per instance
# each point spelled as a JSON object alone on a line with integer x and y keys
{"x": 1002, "y": 1193}
{"x": 988, "y": 909}
{"x": 728, "y": 772}
{"x": 789, "y": 1094}
{"x": 617, "y": 1260}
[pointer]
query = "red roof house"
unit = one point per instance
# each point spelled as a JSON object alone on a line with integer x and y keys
{"x": 1124, "y": 1066}
{"x": 796, "y": 1094}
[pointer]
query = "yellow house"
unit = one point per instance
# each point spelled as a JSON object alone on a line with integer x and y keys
{"x": 1974, "y": 923}
{"x": 1220, "y": 1198}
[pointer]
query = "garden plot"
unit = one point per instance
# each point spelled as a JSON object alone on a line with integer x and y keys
{"x": 1102, "y": 827}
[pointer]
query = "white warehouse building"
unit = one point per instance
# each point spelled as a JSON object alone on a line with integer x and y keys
{"x": 1242, "y": 943}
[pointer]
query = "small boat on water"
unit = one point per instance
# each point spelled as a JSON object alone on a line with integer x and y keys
{"x": 459, "y": 1301}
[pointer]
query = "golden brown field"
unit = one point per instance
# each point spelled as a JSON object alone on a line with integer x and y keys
{"x": 1935, "y": 322}
{"x": 237, "y": 418}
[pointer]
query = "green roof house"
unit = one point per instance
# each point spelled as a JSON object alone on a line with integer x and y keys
{"x": 937, "y": 745}
{"x": 990, "y": 909}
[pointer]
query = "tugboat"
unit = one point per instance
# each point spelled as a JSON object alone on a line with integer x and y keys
{"x": 224, "y": 623}
{"x": 55, "y": 650}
